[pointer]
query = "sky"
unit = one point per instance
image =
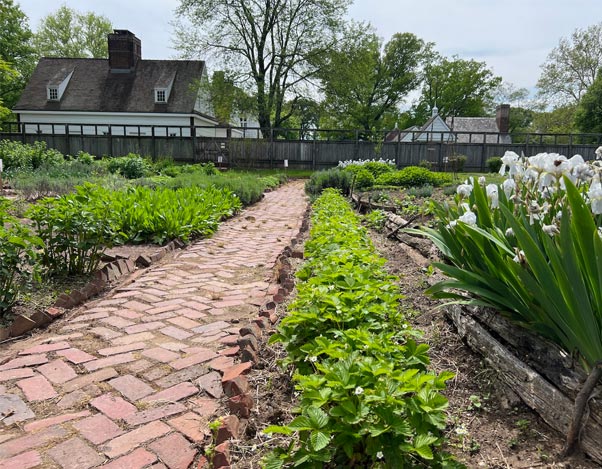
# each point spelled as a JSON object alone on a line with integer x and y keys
{"x": 513, "y": 37}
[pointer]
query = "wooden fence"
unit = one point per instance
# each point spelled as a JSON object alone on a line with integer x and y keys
{"x": 324, "y": 150}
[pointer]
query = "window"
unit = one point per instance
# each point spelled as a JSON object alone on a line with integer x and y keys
{"x": 243, "y": 121}
{"x": 53, "y": 94}
{"x": 160, "y": 96}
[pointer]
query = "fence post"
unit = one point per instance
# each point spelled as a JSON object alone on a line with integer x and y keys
{"x": 483, "y": 152}
{"x": 110, "y": 140}
{"x": 398, "y": 149}
{"x": 570, "y": 146}
{"x": 313, "y": 154}
{"x": 68, "y": 152}
{"x": 271, "y": 148}
{"x": 193, "y": 135}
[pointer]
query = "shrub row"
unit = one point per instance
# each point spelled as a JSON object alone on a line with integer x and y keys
{"x": 366, "y": 397}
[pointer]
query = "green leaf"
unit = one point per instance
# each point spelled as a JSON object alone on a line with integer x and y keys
{"x": 319, "y": 440}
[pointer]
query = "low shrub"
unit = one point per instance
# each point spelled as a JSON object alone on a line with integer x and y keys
{"x": 426, "y": 164}
{"x": 363, "y": 180}
{"x": 413, "y": 176}
{"x": 376, "y": 220}
{"x": 331, "y": 178}
{"x": 366, "y": 397}
{"x": 422, "y": 191}
{"x": 18, "y": 156}
{"x": 456, "y": 163}
{"x": 131, "y": 166}
{"x": 494, "y": 164}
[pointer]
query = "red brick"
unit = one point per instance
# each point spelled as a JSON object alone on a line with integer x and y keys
{"x": 194, "y": 359}
{"x": 45, "y": 348}
{"x": 113, "y": 407}
{"x": 126, "y": 313}
{"x": 204, "y": 406}
{"x": 109, "y": 361}
{"x": 235, "y": 371}
{"x": 183, "y": 322}
{"x": 192, "y": 425}
{"x": 137, "y": 459}
{"x": 98, "y": 429}
{"x": 247, "y": 354}
{"x": 174, "y": 450}
{"x": 130, "y": 339}
{"x": 37, "y": 388}
{"x": 213, "y": 327}
{"x": 228, "y": 304}
{"x": 55, "y": 312}
{"x": 137, "y": 306}
{"x": 221, "y": 363}
{"x": 89, "y": 317}
{"x": 248, "y": 340}
{"x": 229, "y": 428}
{"x": 156, "y": 413}
{"x": 28, "y": 360}
{"x": 236, "y": 386}
{"x": 229, "y": 340}
{"x": 211, "y": 383}
{"x": 105, "y": 333}
{"x": 147, "y": 326}
{"x": 16, "y": 373}
{"x": 131, "y": 387}
{"x": 22, "y": 461}
{"x": 121, "y": 349}
{"x": 117, "y": 321}
{"x": 161, "y": 355}
{"x": 76, "y": 356}
{"x": 91, "y": 378}
{"x": 49, "y": 422}
{"x": 175, "y": 393}
{"x": 230, "y": 352}
{"x": 174, "y": 346}
{"x": 37, "y": 440}
{"x": 175, "y": 332}
{"x": 57, "y": 371}
{"x": 221, "y": 456}
{"x": 125, "y": 443}
{"x": 75, "y": 454}
{"x": 241, "y": 405}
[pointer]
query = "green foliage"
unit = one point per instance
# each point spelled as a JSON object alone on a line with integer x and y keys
{"x": 457, "y": 87}
{"x": 366, "y": 397}
{"x": 375, "y": 168}
{"x": 421, "y": 191}
{"x": 494, "y": 164}
{"x": 363, "y": 179}
{"x": 131, "y": 166}
{"x": 456, "y": 163}
{"x": 18, "y": 253}
{"x": 364, "y": 80}
{"x": 413, "y": 176}
{"x": 588, "y": 117}
{"x": 69, "y": 33}
{"x": 331, "y": 178}
{"x": 16, "y": 155}
{"x": 543, "y": 277}
{"x": 17, "y": 57}
{"x": 376, "y": 219}
{"x": 158, "y": 215}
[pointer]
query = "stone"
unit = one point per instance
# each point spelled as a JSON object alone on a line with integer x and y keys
{"x": 15, "y": 410}
{"x": 229, "y": 428}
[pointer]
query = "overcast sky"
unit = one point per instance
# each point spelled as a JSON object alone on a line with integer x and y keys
{"x": 512, "y": 36}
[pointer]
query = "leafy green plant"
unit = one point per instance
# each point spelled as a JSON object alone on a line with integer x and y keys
{"x": 18, "y": 254}
{"x": 16, "y": 155}
{"x": 363, "y": 180}
{"x": 366, "y": 397}
{"x": 75, "y": 229}
{"x": 413, "y": 176}
{"x": 331, "y": 178}
{"x": 131, "y": 166}
{"x": 376, "y": 219}
{"x": 514, "y": 257}
{"x": 421, "y": 192}
{"x": 494, "y": 164}
{"x": 456, "y": 163}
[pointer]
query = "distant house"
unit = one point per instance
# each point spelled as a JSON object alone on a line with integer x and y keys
{"x": 458, "y": 129}
{"x": 121, "y": 95}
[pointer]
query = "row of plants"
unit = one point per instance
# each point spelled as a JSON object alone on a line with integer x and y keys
{"x": 531, "y": 247}
{"x": 366, "y": 397}
{"x": 368, "y": 174}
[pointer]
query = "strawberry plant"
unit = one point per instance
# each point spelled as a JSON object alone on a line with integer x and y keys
{"x": 367, "y": 398}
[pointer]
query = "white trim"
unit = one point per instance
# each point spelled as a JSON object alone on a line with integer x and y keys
{"x": 117, "y": 114}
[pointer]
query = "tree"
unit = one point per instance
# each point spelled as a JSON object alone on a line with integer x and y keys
{"x": 269, "y": 45}
{"x": 588, "y": 116}
{"x": 227, "y": 100}
{"x": 364, "y": 82}
{"x": 572, "y": 66}
{"x": 457, "y": 87}
{"x": 17, "y": 56}
{"x": 558, "y": 121}
{"x": 69, "y": 33}
{"x": 8, "y": 75}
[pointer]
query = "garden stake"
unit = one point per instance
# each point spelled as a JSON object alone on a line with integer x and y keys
{"x": 572, "y": 438}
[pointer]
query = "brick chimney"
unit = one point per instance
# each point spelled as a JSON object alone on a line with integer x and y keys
{"x": 125, "y": 50}
{"x": 502, "y": 118}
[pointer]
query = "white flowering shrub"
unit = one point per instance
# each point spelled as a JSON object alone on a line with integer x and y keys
{"x": 530, "y": 247}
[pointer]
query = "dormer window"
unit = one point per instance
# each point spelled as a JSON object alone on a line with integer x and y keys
{"x": 160, "y": 96}
{"x": 53, "y": 93}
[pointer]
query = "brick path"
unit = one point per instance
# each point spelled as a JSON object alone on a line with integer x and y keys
{"x": 131, "y": 380}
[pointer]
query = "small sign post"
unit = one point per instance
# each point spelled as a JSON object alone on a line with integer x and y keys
{"x": 285, "y": 165}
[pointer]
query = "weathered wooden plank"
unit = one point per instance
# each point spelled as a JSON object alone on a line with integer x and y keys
{"x": 538, "y": 393}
